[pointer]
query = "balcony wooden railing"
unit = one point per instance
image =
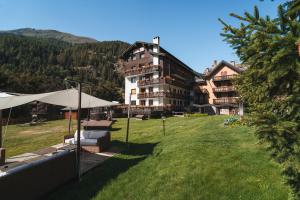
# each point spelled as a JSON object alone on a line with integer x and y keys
{"x": 143, "y": 70}
{"x": 151, "y": 82}
{"x": 162, "y": 94}
{"x": 225, "y": 100}
{"x": 224, "y": 78}
{"x": 224, "y": 89}
{"x": 142, "y": 109}
{"x": 165, "y": 80}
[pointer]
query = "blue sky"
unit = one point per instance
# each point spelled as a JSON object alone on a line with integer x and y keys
{"x": 189, "y": 29}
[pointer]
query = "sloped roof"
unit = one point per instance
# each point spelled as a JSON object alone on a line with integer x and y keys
{"x": 163, "y": 53}
{"x": 222, "y": 64}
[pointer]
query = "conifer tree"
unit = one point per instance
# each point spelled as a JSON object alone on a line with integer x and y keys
{"x": 271, "y": 84}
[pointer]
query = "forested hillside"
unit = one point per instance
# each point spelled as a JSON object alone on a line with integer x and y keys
{"x": 53, "y": 34}
{"x": 33, "y": 65}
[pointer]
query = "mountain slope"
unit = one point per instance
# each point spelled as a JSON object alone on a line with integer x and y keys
{"x": 34, "y": 65}
{"x": 66, "y": 37}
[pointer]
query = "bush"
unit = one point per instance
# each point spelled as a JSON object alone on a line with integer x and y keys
{"x": 196, "y": 115}
{"x": 231, "y": 121}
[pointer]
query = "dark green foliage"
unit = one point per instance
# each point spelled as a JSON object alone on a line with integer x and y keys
{"x": 66, "y": 37}
{"x": 271, "y": 84}
{"x": 33, "y": 65}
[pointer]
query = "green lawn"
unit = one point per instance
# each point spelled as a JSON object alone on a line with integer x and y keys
{"x": 19, "y": 139}
{"x": 198, "y": 158}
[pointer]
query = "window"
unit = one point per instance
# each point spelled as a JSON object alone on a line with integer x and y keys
{"x": 133, "y": 91}
{"x": 174, "y": 102}
{"x": 143, "y": 102}
{"x": 133, "y": 80}
{"x": 134, "y": 57}
{"x": 142, "y": 55}
{"x": 150, "y": 102}
{"x": 143, "y": 90}
{"x": 133, "y": 103}
{"x": 150, "y": 89}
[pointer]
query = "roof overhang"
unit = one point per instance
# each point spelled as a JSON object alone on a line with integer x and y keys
{"x": 222, "y": 64}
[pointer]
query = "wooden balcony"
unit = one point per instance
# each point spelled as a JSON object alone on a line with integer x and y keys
{"x": 224, "y": 89}
{"x": 144, "y": 70}
{"x": 142, "y": 109}
{"x": 224, "y": 78}
{"x": 162, "y": 94}
{"x": 225, "y": 100}
{"x": 151, "y": 82}
{"x": 151, "y": 95}
{"x": 164, "y": 80}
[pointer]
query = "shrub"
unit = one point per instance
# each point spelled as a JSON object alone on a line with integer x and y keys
{"x": 196, "y": 115}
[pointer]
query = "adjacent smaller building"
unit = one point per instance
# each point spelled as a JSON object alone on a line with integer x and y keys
{"x": 218, "y": 94}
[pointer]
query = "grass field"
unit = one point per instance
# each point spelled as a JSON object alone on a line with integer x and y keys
{"x": 22, "y": 139}
{"x": 198, "y": 158}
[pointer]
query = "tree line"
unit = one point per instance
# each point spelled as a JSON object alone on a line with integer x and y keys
{"x": 35, "y": 65}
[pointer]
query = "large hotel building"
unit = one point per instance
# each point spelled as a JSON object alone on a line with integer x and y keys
{"x": 157, "y": 81}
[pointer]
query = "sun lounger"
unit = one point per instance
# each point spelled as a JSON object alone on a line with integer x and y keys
{"x": 141, "y": 117}
{"x": 94, "y": 141}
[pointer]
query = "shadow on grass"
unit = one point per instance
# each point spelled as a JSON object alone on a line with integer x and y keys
{"x": 95, "y": 180}
{"x": 115, "y": 129}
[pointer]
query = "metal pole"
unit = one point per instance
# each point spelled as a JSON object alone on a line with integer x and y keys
{"x": 70, "y": 120}
{"x": 128, "y": 119}
{"x": 164, "y": 126}
{"x": 78, "y": 130}
{"x": 2, "y": 150}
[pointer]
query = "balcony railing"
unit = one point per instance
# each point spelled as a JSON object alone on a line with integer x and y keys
{"x": 224, "y": 78}
{"x": 224, "y": 89}
{"x": 143, "y": 70}
{"x": 162, "y": 94}
{"x": 226, "y": 100}
{"x": 142, "y": 109}
{"x": 151, "y": 82}
{"x": 164, "y": 80}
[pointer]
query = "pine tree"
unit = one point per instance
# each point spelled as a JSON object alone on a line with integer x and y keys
{"x": 271, "y": 84}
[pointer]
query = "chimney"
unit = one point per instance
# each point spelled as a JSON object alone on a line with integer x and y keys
{"x": 215, "y": 63}
{"x": 206, "y": 70}
{"x": 232, "y": 62}
{"x": 156, "y": 40}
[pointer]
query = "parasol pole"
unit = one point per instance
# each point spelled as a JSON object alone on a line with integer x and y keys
{"x": 2, "y": 150}
{"x": 70, "y": 120}
{"x": 78, "y": 130}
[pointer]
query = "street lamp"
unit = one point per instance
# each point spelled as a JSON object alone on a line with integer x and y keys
{"x": 128, "y": 120}
{"x": 164, "y": 126}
